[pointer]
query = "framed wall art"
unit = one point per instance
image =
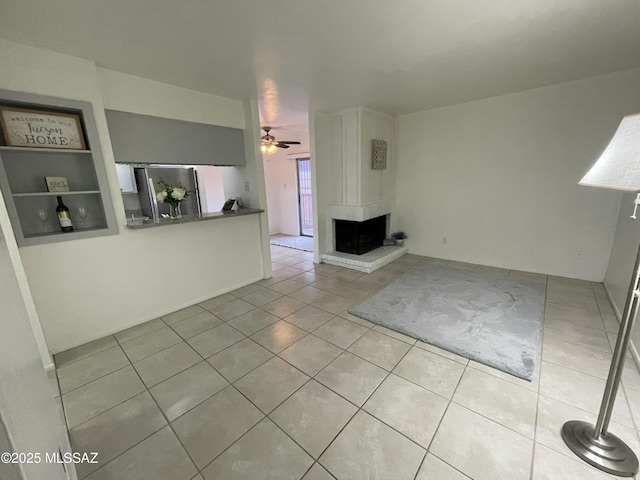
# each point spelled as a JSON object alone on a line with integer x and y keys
{"x": 378, "y": 155}
{"x": 41, "y": 129}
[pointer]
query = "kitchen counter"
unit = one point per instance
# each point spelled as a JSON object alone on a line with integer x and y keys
{"x": 161, "y": 222}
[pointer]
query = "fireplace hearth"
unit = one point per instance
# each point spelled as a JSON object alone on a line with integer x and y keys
{"x": 360, "y": 237}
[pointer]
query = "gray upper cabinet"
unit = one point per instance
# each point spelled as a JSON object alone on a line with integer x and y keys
{"x": 31, "y": 206}
{"x": 145, "y": 139}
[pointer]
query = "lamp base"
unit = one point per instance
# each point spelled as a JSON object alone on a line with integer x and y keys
{"x": 607, "y": 453}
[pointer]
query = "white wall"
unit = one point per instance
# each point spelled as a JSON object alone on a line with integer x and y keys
{"x": 323, "y": 140}
{"x": 353, "y": 180}
{"x": 623, "y": 256}
{"x": 376, "y": 185}
{"x": 139, "y": 95}
{"x": 272, "y": 182}
{"x": 498, "y": 177}
{"x": 282, "y": 193}
{"x": 86, "y": 289}
{"x": 248, "y": 182}
{"x": 27, "y": 408}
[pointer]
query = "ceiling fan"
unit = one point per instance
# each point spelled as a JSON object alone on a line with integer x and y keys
{"x": 271, "y": 145}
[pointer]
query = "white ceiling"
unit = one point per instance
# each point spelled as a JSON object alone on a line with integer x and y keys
{"x": 397, "y": 56}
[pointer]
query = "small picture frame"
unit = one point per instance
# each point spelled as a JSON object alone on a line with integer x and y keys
{"x": 41, "y": 129}
{"x": 228, "y": 205}
{"x": 57, "y": 184}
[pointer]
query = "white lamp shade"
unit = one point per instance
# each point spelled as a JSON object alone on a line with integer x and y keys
{"x": 619, "y": 165}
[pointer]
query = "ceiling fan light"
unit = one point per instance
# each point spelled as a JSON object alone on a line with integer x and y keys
{"x": 272, "y": 148}
{"x": 263, "y": 148}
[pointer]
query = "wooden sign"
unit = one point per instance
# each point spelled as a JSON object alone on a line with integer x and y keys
{"x": 34, "y": 128}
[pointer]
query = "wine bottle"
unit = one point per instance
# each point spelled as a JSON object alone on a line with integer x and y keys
{"x": 63, "y": 216}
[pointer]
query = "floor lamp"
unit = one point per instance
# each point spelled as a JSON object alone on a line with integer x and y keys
{"x": 618, "y": 168}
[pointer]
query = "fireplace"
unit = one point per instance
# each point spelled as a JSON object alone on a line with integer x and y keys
{"x": 360, "y": 237}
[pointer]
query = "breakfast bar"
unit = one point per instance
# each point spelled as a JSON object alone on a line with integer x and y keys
{"x": 161, "y": 222}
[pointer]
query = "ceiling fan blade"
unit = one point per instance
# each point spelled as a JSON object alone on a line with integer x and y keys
{"x": 281, "y": 145}
{"x": 290, "y": 143}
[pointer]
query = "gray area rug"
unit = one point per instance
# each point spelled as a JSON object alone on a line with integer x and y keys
{"x": 299, "y": 243}
{"x": 495, "y": 320}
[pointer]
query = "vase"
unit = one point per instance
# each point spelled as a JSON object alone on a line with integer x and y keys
{"x": 175, "y": 211}
{"x": 400, "y": 242}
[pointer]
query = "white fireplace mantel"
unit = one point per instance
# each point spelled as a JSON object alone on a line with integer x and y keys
{"x": 360, "y": 213}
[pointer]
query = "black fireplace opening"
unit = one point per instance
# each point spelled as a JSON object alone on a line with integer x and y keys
{"x": 360, "y": 237}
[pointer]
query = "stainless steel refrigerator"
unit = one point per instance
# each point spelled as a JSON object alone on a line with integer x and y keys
{"x": 147, "y": 179}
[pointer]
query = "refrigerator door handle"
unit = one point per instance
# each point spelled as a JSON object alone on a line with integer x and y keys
{"x": 154, "y": 201}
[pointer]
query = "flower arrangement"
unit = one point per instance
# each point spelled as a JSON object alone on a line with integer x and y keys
{"x": 171, "y": 194}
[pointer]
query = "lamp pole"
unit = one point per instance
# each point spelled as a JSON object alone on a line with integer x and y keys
{"x": 594, "y": 444}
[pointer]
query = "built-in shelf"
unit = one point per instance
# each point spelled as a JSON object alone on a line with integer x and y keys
{"x": 23, "y": 171}
{"x": 77, "y": 233}
{"x": 4, "y": 148}
{"x": 56, "y": 194}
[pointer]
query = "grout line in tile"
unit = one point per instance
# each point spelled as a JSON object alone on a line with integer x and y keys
{"x": 540, "y": 360}
{"x": 360, "y": 408}
{"x": 57, "y": 367}
{"x": 489, "y": 418}
{"x": 574, "y": 370}
{"x": 456, "y": 469}
{"x": 582, "y": 409}
{"x": 161, "y": 350}
{"x": 624, "y": 394}
{"x": 137, "y": 443}
{"x": 449, "y": 401}
{"x": 142, "y": 334}
{"x": 147, "y": 389}
{"x": 166, "y": 418}
{"x": 170, "y": 426}
{"x": 264, "y": 415}
{"x": 95, "y": 379}
{"x": 117, "y": 456}
{"x": 246, "y": 338}
{"x": 387, "y": 375}
{"x": 424, "y": 457}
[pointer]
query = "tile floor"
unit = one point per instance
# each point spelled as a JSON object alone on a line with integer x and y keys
{"x": 277, "y": 381}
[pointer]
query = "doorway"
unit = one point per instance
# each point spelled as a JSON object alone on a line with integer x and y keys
{"x": 305, "y": 205}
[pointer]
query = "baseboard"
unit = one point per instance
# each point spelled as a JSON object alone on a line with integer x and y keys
{"x": 616, "y": 310}
{"x": 114, "y": 330}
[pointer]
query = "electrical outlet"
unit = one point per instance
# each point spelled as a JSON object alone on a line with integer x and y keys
{"x": 444, "y": 240}
{"x": 578, "y": 255}
{"x": 246, "y": 186}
